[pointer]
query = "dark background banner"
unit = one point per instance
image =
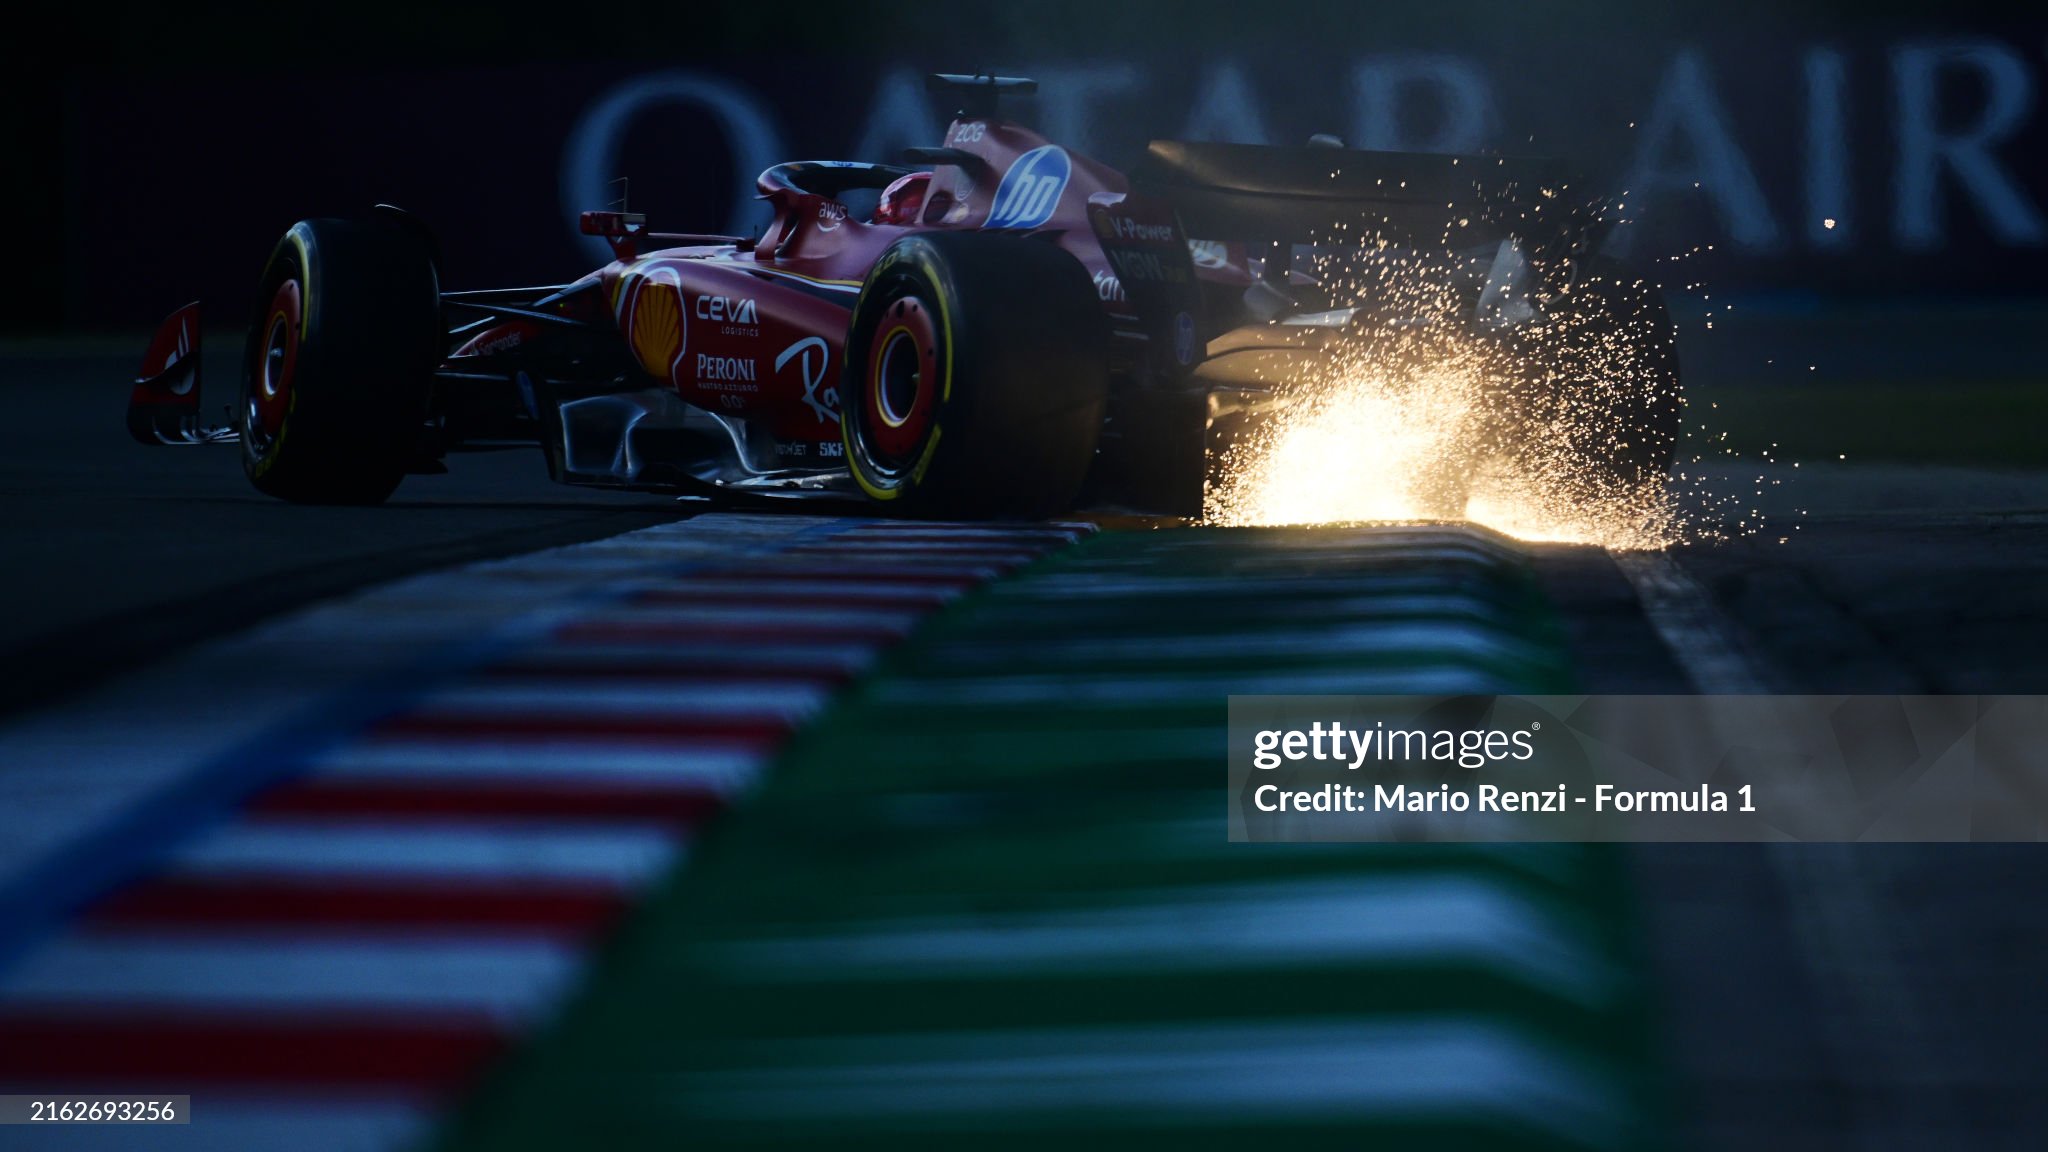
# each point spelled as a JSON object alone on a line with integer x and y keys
{"x": 183, "y": 150}
{"x": 1928, "y": 150}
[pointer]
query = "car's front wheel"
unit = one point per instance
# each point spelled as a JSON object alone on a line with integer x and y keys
{"x": 339, "y": 363}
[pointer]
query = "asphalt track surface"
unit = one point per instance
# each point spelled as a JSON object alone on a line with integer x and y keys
{"x": 1824, "y": 996}
{"x": 119, "y": 553}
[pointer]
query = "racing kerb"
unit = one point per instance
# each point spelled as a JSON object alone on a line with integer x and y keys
{"x": 982, "y": 891}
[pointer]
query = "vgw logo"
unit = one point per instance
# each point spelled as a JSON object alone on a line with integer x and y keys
{"x": 1031, "y": 189}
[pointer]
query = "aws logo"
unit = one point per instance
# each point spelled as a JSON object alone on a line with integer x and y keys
{"x": 1031, "y": 189}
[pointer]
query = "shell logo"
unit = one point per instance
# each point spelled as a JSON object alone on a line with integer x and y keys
{"x": 654, "y": 322}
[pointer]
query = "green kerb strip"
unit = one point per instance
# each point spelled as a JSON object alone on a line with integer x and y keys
{"x": 988, "y": 899}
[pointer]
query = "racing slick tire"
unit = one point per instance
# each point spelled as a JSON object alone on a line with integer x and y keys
{"x": 977, "y": 369}
{"x": 339, "y": 364}
{"x": 1614, "y": 357}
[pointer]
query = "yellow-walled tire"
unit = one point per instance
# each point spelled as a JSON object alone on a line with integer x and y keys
{"x": 977, "y": 369}
{"x": 339, "y": 362}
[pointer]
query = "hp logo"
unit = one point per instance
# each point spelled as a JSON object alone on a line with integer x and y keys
{"x": 1031, "y": 189}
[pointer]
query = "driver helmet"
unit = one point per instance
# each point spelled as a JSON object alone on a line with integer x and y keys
{"x": 903, "y": 199}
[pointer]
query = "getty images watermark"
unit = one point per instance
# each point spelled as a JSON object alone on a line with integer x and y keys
{"x": 1495, "y": 768}
{"x": 1470, "y": 749}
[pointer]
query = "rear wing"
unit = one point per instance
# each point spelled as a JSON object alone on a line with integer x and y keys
{"x": 1256, "y": 192}
{"x": 974, "y": 96}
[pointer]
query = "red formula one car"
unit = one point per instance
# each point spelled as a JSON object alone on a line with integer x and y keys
{"x": 981, "y": 333}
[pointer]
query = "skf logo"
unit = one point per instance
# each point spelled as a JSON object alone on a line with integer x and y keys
{"x": 1031, "y": 189}
{"x": 726, "y": 310}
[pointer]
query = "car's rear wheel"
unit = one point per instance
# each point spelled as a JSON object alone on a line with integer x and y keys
{"x": 976, "y": 373}
{"x": 339, "y": 363}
